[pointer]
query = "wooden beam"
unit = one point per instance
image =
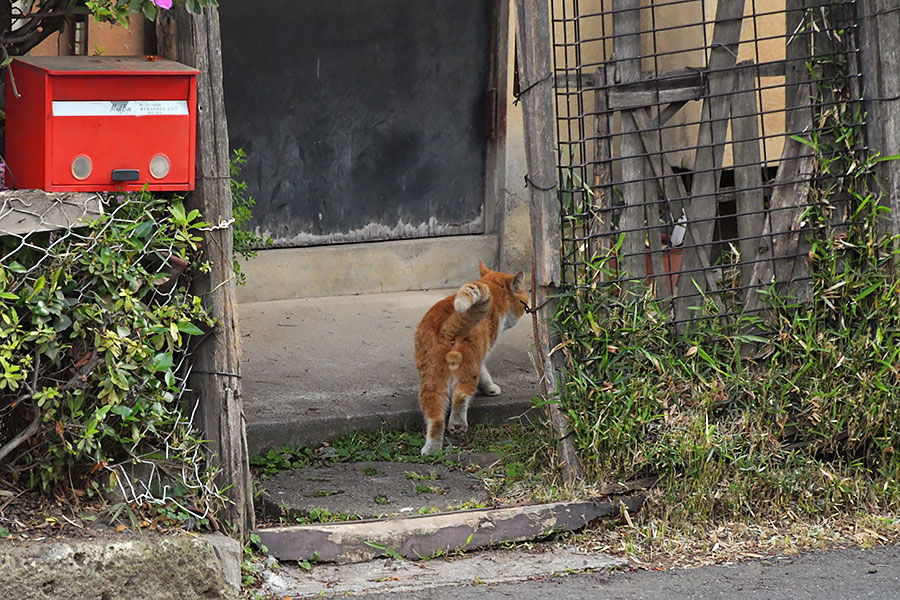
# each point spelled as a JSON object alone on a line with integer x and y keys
{"x": 602, "y": 212}
{"x": 790, "y": 190}
{"x": 535, "y": 70}
{"x": 623, "y": 100}
{"x": 797, "y": 118}
{"x": 194, "y": 40}
{"x": 428, "y": 535}
{"x": 649, "y": 81}
{"x": 781, "y": 242}
{"x": 669, "y": 111}
{"x": 671, "y": 183}
{"x": 747, "y": 167}
{"x": 701, "y": 211}
{"x": 29, "y": 211}
{"x": 672, "y": 187}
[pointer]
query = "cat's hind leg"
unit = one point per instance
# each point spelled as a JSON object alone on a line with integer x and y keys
{"x": 486, "y": 385}
{"x": 462, "y": 395}
{"x": 434, "y": 405}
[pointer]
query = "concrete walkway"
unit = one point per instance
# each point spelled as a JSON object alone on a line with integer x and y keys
{"x": 316, "y": 367}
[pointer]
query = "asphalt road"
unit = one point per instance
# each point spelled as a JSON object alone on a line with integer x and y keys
{"x": 833, "y": 575}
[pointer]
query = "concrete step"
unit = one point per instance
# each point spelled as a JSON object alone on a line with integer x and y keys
{"x": 314, "y": 368}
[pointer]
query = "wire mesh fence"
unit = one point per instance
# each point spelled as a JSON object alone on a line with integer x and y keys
{"x": 688, "y": 132}
{"x": 97, "y": 326}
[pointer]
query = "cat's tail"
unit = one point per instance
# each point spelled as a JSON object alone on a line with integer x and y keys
{"x": 454, "y": 359}
{"x": 471, "y": 304}
{"x": 474, "y": 299}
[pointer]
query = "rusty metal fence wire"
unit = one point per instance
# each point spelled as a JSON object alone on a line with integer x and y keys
{"x": 681, "y": 127}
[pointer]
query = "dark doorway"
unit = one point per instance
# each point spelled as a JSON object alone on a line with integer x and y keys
{"x": 362, "y": 119}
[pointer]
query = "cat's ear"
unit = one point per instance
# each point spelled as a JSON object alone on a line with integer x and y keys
{"x": 482, "y": 268}
{"x": 518, "y": 282}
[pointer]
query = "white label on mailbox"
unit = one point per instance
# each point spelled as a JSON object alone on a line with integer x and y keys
{"x": 112, "y": 108}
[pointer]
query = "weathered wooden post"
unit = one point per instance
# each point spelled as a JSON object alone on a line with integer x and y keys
{"x": 193, "y": 39}
{"x": 536, "y": 75}
{"x": 626, "y": 21}
{"x": 780, "y": 256}
{"x": 879, "y": 23}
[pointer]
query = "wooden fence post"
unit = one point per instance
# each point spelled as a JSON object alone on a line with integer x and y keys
{"x": 194, "y": 40}
{"x": 879, "y": 24}
{"x": 536, "y": 76}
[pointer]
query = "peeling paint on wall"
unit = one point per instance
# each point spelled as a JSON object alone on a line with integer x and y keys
{"x": 378, "y": 231}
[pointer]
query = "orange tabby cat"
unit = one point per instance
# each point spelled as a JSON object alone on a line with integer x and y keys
{"x": 452, "y": 342}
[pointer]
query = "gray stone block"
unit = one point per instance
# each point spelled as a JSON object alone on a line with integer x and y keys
{"x": 229, "y": 552}
{"x": 178, "y": 567}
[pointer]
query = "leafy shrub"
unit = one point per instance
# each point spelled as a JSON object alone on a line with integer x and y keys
{"x": 810, "y": 419}
{"x": 95, "y": 329}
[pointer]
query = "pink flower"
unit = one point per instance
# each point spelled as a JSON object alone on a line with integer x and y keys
{"x": 165, "y": 4}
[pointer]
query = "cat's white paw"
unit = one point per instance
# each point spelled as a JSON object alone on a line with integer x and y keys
{"x": 457, "y": 426}
{"x": 431, "y": 447}
{"x": 490, "y": 390}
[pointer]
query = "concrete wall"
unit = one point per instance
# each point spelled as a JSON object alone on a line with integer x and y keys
{"x": 515, "y": 224}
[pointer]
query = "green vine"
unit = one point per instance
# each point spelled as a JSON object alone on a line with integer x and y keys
{"x": 119, "y": 11}
{"x": 246, "y": 241}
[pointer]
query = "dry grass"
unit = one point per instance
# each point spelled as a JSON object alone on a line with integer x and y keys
{"x": 654, "y": 540}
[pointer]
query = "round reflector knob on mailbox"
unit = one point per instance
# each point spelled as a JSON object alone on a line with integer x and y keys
{"x": 159, "y": 166}
{"x": 82, "y": 167}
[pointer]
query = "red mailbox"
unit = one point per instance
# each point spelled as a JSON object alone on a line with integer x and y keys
{"x": 100, "y": 123}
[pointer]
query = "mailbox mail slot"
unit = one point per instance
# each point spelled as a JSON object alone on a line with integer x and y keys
{"x": 101, "y": 123}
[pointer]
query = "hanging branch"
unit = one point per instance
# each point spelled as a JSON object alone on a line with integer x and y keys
{"x": 21, "y": 31}
{"x": 23, "y": 28}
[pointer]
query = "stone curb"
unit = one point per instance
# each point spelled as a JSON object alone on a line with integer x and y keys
{"x": 177, "y": 567}
{"x": 431, "y": 535}
{"x": 385, "y": 576}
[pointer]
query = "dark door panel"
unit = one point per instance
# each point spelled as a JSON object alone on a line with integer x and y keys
{"x": 361, "y": 119}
